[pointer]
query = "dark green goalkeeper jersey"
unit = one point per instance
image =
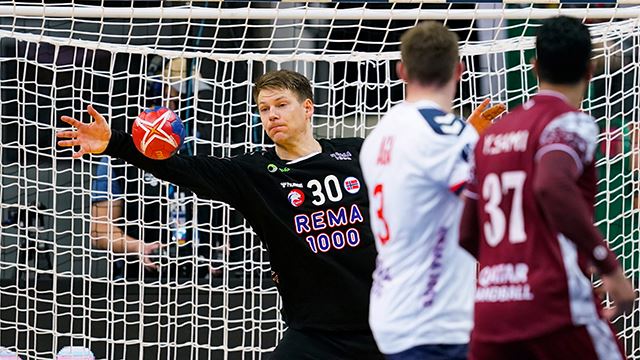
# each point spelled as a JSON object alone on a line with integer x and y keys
{"x": 311, "y": 214}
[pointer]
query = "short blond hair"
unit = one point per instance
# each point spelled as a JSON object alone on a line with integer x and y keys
{"x": 284, "y": 80}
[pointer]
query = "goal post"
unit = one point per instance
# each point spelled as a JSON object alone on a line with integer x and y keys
{"x": 214, "y": 298}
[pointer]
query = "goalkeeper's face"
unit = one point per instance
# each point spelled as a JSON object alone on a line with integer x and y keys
{"x": 284, "y": 117}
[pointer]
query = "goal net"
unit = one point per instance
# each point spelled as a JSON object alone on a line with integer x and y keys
{"x": 63, "y": 283}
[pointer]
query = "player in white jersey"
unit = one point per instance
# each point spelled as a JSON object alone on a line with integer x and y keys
{"x": 414, "y": 164}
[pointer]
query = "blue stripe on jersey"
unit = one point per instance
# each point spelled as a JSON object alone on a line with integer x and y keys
{"x": 441, "y": 122}
{"x": 466, "y": 152}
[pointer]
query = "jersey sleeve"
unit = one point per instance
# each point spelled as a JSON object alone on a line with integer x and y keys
{"x": 471, "y": 188}
{"x": 574, "y": 133}
{"x": 462, "y": 160}
{"x": 100, "y": 184}
{"x": 207, "y": 176}
{"x": 445, "y": 152}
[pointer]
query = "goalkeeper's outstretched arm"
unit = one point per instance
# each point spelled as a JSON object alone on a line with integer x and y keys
{"x": 206, "y": 176}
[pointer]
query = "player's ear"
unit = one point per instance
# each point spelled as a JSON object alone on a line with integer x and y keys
{"x": 308, "y": 108}
{"x": 401, "y": 71}
{"x": 534, "y": 63}
{"x": 459, "y": 70}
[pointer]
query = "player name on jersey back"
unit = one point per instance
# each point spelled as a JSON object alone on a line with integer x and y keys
{"x": 514, "y": 141}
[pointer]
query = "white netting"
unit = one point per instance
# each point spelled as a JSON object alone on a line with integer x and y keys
{"x": 56, "y": 289}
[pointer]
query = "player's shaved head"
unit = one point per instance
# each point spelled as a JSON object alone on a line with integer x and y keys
{"x": 297, "y": 83}
{"x": 563, "y": 46}
{"x": 429, "y": 53}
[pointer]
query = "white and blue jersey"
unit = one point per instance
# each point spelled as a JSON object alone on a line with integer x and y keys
{"x": 414, "y": 164}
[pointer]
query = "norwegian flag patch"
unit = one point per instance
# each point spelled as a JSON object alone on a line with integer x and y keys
{"x": 352, "y": 185}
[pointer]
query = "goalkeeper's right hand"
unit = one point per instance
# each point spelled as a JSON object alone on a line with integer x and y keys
{"x": 481, "y": 119}
{"x": 92, "y": 138}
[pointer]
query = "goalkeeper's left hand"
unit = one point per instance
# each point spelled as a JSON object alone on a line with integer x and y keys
{"x": 481, "y": 119}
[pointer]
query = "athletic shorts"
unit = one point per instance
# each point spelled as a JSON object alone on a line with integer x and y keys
{"x": 322, "y": 345}
{"x": 432, "y": 352}
{"x": 595, "y": 341}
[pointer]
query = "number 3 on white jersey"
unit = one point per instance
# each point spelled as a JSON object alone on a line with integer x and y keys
{"x": 492, "y": 190}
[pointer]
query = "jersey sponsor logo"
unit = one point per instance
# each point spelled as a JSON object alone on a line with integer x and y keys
{"x": 326, "y": 221}
{"x": 341, "y": 155}
{"x": 352, "y": 185}
{"x": 296, "y": 197}
{"x": 504, "y": 283}
{"x": 381, "y": 276}
{"x": 336, "y": 240}
{"x": 273, "y": 168}
{"x": 435, "y": 270}
{"x": 514, "y": 141}
{"x": 322, "y": 219}
{"x": 286, "y": 184}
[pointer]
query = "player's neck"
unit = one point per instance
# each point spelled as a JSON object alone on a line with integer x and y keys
{"x": 439, "y": 95}
{"x": 573, "y": 93}
{"x": 301, "y": 148}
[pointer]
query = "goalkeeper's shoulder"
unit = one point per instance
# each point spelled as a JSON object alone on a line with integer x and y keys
{"x": 345, "y": 143}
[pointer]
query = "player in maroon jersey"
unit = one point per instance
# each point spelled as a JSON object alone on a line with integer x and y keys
{"x": 528, "y": 219}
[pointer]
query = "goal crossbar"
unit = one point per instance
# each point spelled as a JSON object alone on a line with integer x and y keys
{"x": 317, "y": 13}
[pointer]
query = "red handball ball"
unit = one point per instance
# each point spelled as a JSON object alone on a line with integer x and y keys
{"x": 158, "y": 133}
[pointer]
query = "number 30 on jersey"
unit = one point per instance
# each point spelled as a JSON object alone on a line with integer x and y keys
{"x": 331, "y": 188}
